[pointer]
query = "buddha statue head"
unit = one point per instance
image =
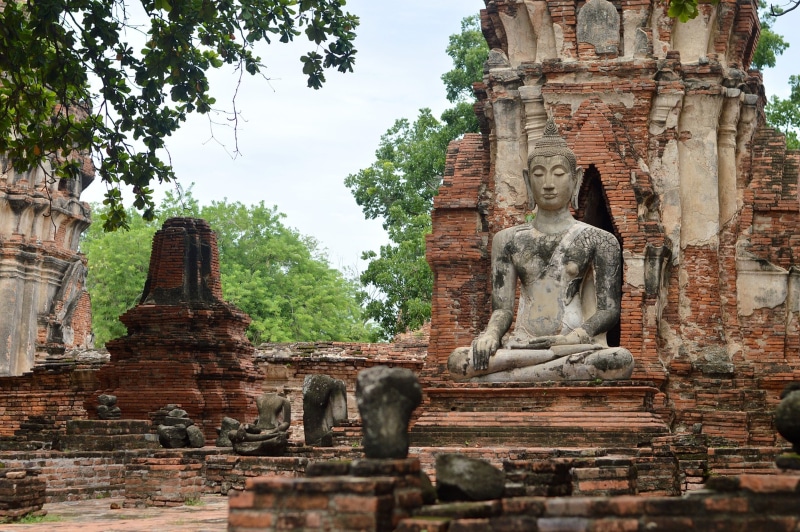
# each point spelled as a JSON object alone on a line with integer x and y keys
{"x": 553, "y": 178}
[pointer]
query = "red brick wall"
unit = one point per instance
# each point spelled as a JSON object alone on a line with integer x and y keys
{"x": 57, "y": 393}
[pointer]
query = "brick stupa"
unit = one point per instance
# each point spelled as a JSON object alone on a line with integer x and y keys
{"x": 185, "y": 345}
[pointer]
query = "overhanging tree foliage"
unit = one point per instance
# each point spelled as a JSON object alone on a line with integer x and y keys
{"x": 276, "y": 275}
{"x": 400, "y": 185}
{"x": 150, "y": 77}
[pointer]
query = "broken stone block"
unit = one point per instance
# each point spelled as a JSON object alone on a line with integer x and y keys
{"x": 108, "y": 408}
{"x": 386, "y": 398}
{"x": 172, "y": 436}
{"x": 173, "y": 429}
{"x": 178, "y": 417}
{"x": 195, "y": 436}
{"x": 460, "y": 478}
{"x": 324, "y": 406}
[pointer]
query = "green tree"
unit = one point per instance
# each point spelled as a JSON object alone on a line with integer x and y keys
{"x": 51, "y": 51}
{"x": 118, "y": 264}
{"x": 684, "y": 10}
{"x": 770, "y": 44}
{"x": 784, "y": 114}
{"x": 279, "y": 277}
{"x": 400, "y": 185}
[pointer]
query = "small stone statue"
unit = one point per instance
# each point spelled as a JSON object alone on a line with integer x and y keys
{"x": 570, "y": 287}
{"x": 787, "y": 421}
{"x": 324, "y": 405}
{"x": 269, "y": 435}
{"x": 108, "y": 408}
{"x": 386, "y": 398}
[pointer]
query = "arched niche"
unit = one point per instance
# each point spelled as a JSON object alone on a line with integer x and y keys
{"x": 593, "y": 209}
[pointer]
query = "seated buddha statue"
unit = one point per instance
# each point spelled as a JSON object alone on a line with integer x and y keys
{"x": 570, "y": 288}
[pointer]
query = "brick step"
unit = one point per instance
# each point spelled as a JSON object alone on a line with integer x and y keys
{"x": 119, "y": 442}
{"x": 516, "y": 420}
{"x": 560, "y": 429}
{"x": 108, "y": 427}
{"x": 543, "y": 398}
{"x": 535, "y": 437}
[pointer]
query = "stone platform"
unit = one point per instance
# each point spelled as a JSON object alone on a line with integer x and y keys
{"x": 581, "y": 414}
{"x": 108, "y": 435}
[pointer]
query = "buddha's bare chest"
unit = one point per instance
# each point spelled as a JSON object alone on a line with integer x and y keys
{"x": 537, "y": 258}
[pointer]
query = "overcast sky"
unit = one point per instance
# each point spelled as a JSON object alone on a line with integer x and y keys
{"x": 297, "y": 145}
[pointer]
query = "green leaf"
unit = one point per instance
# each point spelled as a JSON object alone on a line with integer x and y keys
{"x": 163, "y": 5}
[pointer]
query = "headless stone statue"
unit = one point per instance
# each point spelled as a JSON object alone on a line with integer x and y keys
{"x": 570, "y": 291}
{"x": 269, "y": 435}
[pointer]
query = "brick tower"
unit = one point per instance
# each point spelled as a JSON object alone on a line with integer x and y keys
{"x": 185, "y": 345}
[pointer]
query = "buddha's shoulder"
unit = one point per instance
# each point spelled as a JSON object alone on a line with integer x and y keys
{"x": 591, "y": 230}
{"x": 596, "y": 236}
{"x": 511, "y": 233}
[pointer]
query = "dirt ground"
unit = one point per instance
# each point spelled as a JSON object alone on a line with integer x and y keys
{"x": 210, "y": 513}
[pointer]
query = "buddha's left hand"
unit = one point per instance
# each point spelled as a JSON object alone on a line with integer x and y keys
{"x": 578, "y": 336}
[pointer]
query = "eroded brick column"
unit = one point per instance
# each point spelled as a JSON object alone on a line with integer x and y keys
{"x": 457, "y": 251}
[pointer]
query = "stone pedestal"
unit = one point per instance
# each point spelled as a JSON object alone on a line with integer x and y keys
{"x": 185, "y": 345}
{"x": 619, "y": 415}
{"x": 167, "y": 481}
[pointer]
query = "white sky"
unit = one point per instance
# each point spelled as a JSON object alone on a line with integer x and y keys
{"x": 297, "y": 145}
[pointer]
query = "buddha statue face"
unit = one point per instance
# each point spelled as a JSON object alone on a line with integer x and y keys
{"x": 552, "y": 182}
{"x": 553, "y": 178}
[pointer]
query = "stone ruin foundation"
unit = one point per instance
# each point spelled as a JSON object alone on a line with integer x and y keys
{"x": 667, "y": 119}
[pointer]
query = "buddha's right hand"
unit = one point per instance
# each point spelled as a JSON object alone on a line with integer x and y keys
{"x": 482, "y": 349}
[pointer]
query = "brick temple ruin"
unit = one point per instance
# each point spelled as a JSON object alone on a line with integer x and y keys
{"x": 668, "y": 121}
{"x": 43, "y": 300}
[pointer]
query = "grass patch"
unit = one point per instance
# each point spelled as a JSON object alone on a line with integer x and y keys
{"x": 36, "y": 519}
{"x": 194, "y": 501}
